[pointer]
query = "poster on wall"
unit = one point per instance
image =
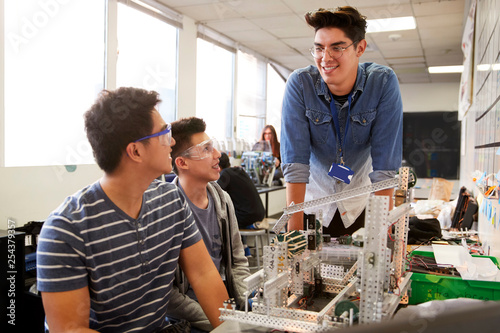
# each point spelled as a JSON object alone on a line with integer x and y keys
{"x": 465, "y": 97}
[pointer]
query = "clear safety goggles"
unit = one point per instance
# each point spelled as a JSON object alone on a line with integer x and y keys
{"x": 164, "y": 136}
{"x": 200, "y": 151}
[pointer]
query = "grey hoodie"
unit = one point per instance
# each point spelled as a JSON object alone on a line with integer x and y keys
{"x": 234, "y": 264}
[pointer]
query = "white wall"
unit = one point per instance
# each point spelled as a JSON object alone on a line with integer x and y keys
{"x": 31, "y": 193}
{"x": 430, "y": 97}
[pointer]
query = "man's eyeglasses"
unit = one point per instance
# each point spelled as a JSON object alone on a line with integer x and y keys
{"x": 200, "y": 151}
{"x": 164, "y": 136}
{"x": 333, "y": 51}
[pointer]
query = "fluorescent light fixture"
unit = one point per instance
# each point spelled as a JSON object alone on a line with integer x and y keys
{"x": 446, "y": 69}
{"x": 487, "y": 67}
{"x": 483, "y": 67}
{"x": 391, "y": 24}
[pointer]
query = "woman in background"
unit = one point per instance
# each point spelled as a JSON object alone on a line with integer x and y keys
{"x": 269, "y": 134}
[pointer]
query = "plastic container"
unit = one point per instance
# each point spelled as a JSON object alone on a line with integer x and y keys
{"x": 429, "y": 287}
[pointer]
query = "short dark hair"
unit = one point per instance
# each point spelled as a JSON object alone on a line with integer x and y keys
{"x": 346, "y": 18}
{"x": 182, "y": 131}
{"x": 117, "y": 118}
{"x": 224, "y": 161}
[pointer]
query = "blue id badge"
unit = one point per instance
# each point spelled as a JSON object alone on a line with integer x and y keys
{"x": 341, "y": 172}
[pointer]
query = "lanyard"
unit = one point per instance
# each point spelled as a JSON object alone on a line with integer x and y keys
{"x": 333, "y": 109}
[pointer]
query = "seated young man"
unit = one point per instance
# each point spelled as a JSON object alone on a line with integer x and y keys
{"x": 196, "y": 163}
{"x": 107, "y": 256}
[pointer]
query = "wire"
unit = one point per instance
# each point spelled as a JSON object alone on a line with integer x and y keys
{"x": 397, "y": 285}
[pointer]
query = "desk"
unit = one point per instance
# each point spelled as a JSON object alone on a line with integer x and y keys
{"x": 278, "y": 205}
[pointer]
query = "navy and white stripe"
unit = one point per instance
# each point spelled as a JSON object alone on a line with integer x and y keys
{"x": 128, "y": 264}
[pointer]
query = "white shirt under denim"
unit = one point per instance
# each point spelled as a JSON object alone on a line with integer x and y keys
{"x": 309, "y": 144}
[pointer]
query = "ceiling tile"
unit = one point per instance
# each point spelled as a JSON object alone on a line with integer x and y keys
{"x": 370, "y": 44}
{"x": 301, "y": 61}
{"x": 432, "y": 33}
{"x": 441, "y": 51}
{"x": 438, "y": 7}
{"x": 285, "y": 26}
{"x": 390, "y": 46}
{"x": 414, "y": 78}
{"x": 183, "y": 3}
{"x": 372, "y": 54}
{"x": 412, "y": 70}
{"x": 444, "y": 43}
{"x": 426, "y": 1}
{"x": 404, "y": 35}
{"x": 302, "y": 44}
{"x": 370, "y": 47}
{"x": 293, "y": 65}
{"x": 401, "y": 53}
{"x": 407, "y": 61}
{"x": 209, "y": 12}
{"x": 450, "y": 20}
{"x": 250, "y": 36}
{"x": 373, "y": 57}
{"x": 239, "y": 24}
{"x": 391, "y": 9}
{"x": 368, "y": 3}
{"x": 453, "y": 59}
{"x": 301, "y": 7}
{"x": 260, "y": 8}
{"x": 273, "y": 48}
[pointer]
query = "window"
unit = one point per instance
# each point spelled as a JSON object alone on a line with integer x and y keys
{"x": 275, "y": 91}
{"x": 147, "y": 56}
{"x": 54, "y": 68}
{"x": 251, "y": 96}
{"x": 214, "y": 88}
{"x": 258, "y": 91}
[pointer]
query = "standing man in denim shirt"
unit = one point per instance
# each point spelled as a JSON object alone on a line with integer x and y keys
{"x": 339, "y": 112}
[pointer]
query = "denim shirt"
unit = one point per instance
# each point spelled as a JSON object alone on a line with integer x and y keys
{"x": 373, "y": 143}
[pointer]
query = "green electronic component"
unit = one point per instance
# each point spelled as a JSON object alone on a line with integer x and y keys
{"x": 296, "y": 242}
{"x": 344, "y": 306}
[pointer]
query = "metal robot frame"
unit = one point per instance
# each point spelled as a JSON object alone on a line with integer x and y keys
{"x": 380, "y": 282}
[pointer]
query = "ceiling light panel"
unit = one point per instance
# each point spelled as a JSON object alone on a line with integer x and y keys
{"x": 446, "y": 69}
{"x": 391, "y": 24}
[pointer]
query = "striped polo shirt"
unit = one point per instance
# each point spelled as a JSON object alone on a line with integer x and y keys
{"x": 128, "y": 264}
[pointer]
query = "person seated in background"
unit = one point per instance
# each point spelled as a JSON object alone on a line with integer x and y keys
{"x": 247, "y": 203}
{"x": 196, "y": 162}
{"x": 107, "y": 256}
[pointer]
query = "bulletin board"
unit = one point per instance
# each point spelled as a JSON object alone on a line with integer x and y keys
{"x": 486, "y": 96}
{"x": 485, "y": 112}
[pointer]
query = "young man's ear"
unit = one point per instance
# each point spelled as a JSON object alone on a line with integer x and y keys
{"x": 134, "y": 152}
{"x": 180, "y": 163}
{"x": 360, "y": 48}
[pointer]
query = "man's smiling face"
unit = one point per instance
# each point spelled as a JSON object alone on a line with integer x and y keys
{"x": 339, "y": 74}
